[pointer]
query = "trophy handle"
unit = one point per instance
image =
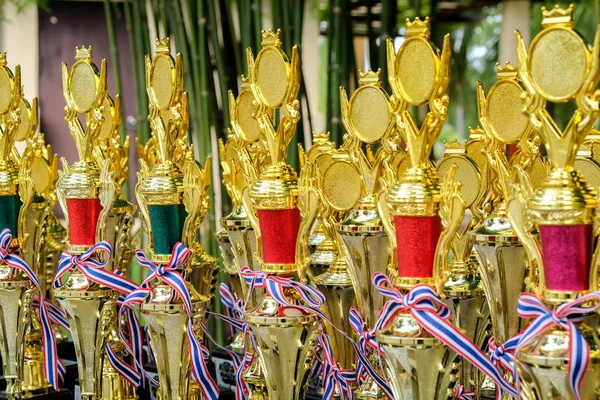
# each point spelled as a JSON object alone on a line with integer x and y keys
{"x": 108, "y": 193}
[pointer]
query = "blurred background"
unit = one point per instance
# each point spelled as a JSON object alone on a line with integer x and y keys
{"x": 337, "y": 38}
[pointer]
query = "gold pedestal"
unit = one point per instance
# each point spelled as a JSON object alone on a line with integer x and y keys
{"x": 368, "y": 250}
{"x": 542, "y": 366}
{"x": 85, "y": 311}
{"x": 255, "y": 378}
{"x": 337, "y": 287}
{"x": 419, "y": 366}
{"x": 286, "y": 347}
{"x": 503, "y": 267}
{"x": 14, "y": 299}
{"x": 167, "y": 323}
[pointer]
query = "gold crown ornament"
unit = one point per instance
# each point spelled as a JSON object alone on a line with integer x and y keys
{"x": 563, "y": 208}
{"x": 424, "y": 217}
{"x": 281, "y": 216}
{"x": 172, "y": 193}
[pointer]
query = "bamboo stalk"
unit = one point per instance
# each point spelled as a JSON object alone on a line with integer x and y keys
{"x": 245, "y": 31}
{"x": 114, "y": 55}
{"x": 336, "y": 69}
{"x": 388, "y": 24}
{"x": 257, "y": 19}
{"x": 135, "y": 22}
{"x": 219, "y": 60}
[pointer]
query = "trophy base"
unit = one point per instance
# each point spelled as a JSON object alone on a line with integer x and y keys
{"x": 62, "y": 394}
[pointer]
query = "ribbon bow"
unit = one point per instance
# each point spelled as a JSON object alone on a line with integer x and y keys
{"x": 461, "y": 394}
{"x": 333, "y": 375}
{"x": 565, "y": 316}
{"x": 432, "y": 315}
{"x": 170, "y": 275}
{"x": 47, "y": 312}
{"x": 93, "y": 269}
{"x": 275, "y": 286}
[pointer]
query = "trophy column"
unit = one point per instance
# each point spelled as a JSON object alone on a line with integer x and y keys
{"x": 559, "y": 362}
{"x": 420, "y": 366}
{"x": 286, "y": 338}
{"x": 172, "y": 193}
{"x": 86, "y": 196}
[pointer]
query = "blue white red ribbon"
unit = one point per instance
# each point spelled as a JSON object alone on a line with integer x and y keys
{"x": 461, "y": 394}
{"x": 91, "y": 265}
{"x": 565, "y": 316}
{"x": 275, "y": 286}
{"x": 47, "y": 312}
{"x": 433, "y": 315}
{"x": 171, "y": 275}
{"x": 366, "y": 340}
{"x": 504, "y": 355}
{"x": 228, "y": 302}
{"x": 333, "y": 375}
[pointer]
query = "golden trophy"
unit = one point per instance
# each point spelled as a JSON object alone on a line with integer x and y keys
{"x": 242, "y": 158}
{"x": 339, "y": 186}
{"x": 503, "y": 262}
{"x": 87, "y": 191}
{"x": 463, "y": 291}
{"x": 562, "y": 359}
{"x": 16, "y": 192}
{"x": 425, "y": 216}
{"x": 281, "y": 214}
{"x": 172, "y": 193}
{"x": 368, "y": 119}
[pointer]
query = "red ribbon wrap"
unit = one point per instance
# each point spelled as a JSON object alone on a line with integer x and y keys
{"x": 417, "y": 238}
{"x": 567, "y": 255}
{"x": 83, "y": 218}
{"x": 279, "y": 231}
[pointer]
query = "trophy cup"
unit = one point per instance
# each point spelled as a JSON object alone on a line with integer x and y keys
{"x": 321, "y": 252}
{"x": 368, "y": 119}
{"x": 172, "y": 193}
{"x": 339, "y": 186}
{"x": 419, "y": 365}
{"x": 286, "y": 339}
{"x": 503, "y": 262}
{"x": 16, "y": 192}
{"x": 86, "y": 191}
{"x": 462, "y": 289}
{"x": 242, "y": 158}
{"x": 556, "y": 361}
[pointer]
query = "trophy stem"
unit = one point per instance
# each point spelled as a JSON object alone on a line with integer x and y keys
{"x": 418, "y": 365}
{"x": 85, "y": 312}
{"x": 167, "y": 325}
{"x": 14, "y": 300}
{"x": 503, "y": 267}
{"x": 286, "y": 346}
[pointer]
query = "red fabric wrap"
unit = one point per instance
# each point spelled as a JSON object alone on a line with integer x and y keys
{"x": 567, "y": 256}
{"x": 417, "y": 238}
{"x": 279, "y": 231}
{"x": 83, "y": 218}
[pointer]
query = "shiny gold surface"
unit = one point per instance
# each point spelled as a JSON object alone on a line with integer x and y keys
{"x": 168, "y": 339}
{"x": 542, "y": 366}
{"x": 85, "y": 310}
{"x": 418, "y": 365}
{"x": 285, "y": 344}
{"x": 564, "y": 198}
